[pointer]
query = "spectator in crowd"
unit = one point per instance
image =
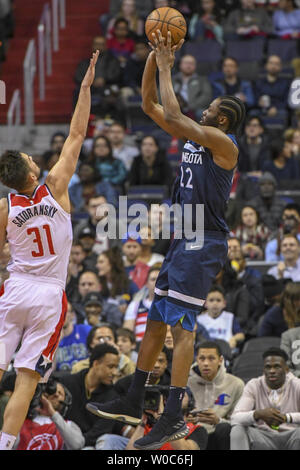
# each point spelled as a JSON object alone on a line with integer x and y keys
{"x": 87, "y": 238}
{"x": 273, "y": 289}
{"x": 254, "y": 147}
{"x": 216, "y": 393}
{"x": 135, "y": 318}
{"x": 72, "y": 345}
{"x": 219, "y": 323}
{"x": 93, "y": 383}
{"x": 129, "y": 12}
{"x": 122, "y": 151}
{"x": 272, "y": 90}
{"x": 286, "y": 20}
{"x": 97, "y": 310}
{"x": 231, "y": 84}
{"x": 267, "y": 416}
{"x": 289, "y": 223}
{"x": 159, "y": 219}
{"x": 169, "y": 344}
{"x": 114, "y": 279}
{"x": 283, "y": 166}
{"x": 147, "y": 255}
{"x": 133, "y": 72}
{"x": 247, "y": 21}
{"x": 151, "y": 166}
{"x": 7, "y": 26}
{"x": 88, "y": 282}
{"x": 290, "y": 343}
{"x": 195, "y": 440}
{"x": 281, "y": 317}
{"x": 289, "y": 267}
{"x": 75, "y": 267}
{"x": 105, "y": 333}
{"x": 143, "y": 10}
{"x": 107, "y": 81}
{"x": 293, "y": 136}
{"x": 56, "y": 144}
{"x": 126, "y": 343}
{"x": 205, "y": 22}
{"x": 135, "y": 269}
{"x": 252, "y": 234}
{"x": 112, "y": 170}
{"x": 194, "y": 90}
{"x": 267, "y": 204}
{"x": 90, "y": 184}
{"x": 120, "y": 44}
{"x": 45, "y": 427}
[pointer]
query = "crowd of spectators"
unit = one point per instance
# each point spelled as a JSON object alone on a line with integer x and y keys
{"x": 110, "y": 283}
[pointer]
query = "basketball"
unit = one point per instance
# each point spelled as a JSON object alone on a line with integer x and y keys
{"x": 166, "y": 19}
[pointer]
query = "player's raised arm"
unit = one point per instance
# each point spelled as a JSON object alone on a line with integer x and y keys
{"x": 60, "y": 175}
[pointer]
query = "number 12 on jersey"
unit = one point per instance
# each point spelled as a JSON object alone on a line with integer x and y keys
{"x": 38, "y": 240}
{"x": 189, "y": 172}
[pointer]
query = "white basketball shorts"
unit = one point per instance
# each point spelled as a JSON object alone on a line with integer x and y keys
{"x": 32, "y": 314}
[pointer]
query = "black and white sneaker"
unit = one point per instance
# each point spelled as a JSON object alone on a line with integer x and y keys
{"x": 165, "y": 430}
{"x": 119, "y": 409}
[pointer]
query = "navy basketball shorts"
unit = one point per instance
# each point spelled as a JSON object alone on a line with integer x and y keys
{"x": 185, "y": 278}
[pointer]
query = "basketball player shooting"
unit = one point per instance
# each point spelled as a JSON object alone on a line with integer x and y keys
{"x": 209, "y": 157}
{"x": 36, "y": 222}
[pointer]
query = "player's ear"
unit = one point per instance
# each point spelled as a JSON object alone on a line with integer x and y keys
{"x": 223, "y": 120}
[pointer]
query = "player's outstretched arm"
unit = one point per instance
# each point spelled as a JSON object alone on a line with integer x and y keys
{"x": 3, "y": 222}
{"x": 60, "y": 175}
{"x": 217, "y": 141}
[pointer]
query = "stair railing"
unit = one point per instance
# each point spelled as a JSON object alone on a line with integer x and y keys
{"x": 29, "y": 67}
{"x": 44, "y": 49}
{"x": 13, "y": 116}
{"x": 59, "y": 20}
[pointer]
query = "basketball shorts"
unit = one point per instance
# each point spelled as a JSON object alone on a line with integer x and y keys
{"x": 185, "y": 278}
{"x": 32, "y": 314}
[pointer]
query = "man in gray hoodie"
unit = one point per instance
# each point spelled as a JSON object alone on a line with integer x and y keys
{"x": 267, "y": 417}
{"x": 216, "y": 393}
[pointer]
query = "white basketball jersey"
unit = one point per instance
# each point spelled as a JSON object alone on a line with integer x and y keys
{"x": 218, "y": 328}
{"x": 39, "y": 233}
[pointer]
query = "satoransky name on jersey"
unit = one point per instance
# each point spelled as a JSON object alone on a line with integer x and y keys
{"x": 27, "y": 214}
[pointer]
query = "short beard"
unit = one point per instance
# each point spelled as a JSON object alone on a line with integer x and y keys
{"x": 213, "y": 122}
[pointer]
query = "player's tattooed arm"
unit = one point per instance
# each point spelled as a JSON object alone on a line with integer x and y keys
{"x": 3, "y": 222}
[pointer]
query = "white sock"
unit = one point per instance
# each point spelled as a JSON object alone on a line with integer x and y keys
{"x": 6, "y": 441}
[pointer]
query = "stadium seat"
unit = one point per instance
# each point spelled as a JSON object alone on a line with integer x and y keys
{"x": 285, "y": 49}
{"x": 261, "y": 344}
{"x": 148, "y": 193}
{"x": 248, "y": 366}
{"x": 251, "y": 50}
{"x": 208, "y": 54}
{"x": 261, "y": 266}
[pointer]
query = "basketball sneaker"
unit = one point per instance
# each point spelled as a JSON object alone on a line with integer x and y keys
{"x": 165, "y": 430}
{"x": 119, "y": 409}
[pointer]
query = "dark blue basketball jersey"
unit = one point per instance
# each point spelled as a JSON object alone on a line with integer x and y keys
{"x": 201, "y": 181}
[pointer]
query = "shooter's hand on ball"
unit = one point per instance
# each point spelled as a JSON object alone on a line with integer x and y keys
{"x": 165, "y": 53}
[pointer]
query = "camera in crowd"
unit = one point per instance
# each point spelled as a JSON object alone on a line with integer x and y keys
{"x": 50, "y": 389}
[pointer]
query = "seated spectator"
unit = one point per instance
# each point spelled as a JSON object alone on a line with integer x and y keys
{"x": 143, "y": 10}
{"x": 267, "y": 204}
{"x": 104, "y": 333}
{"x": 195, "y": 440}
{"x": 289, "y": 267}
{"x": 114, "y": 279}
{"x": 135, "y": 318}
{"x": 210, "y": 384}
{"x": 111, "y": 169}
{"x": 159, "y": 219}
{"x": 104, "y": 91}
{"x": 135, "y": 269}
{"x": 219, "y": 323}
{"x": 56, "y": 144}
{"x": 120, "y": 149}
{"x": 72, "y": 345}
{"x": 282, "y": 165}
{"x": 87, "y": 238}
{"x": 286, "y": 20}
{"x": 272, "y": 91}
{"x": 88, "y": 282}
{"x": 193, "y": 90}
{"x": 120, "y": 44}
{"x": 133, "y": 72}
{"x": 247, "y": 21}
{"x": 147, "y": 255}
{"x": 97, "y": 310}
{"x": 151, "y": 166}
{"x": 94, "y": 383}
{"x": 254, "y": 146}
{"x": 281, "y": 317}
{"x": 129, "y": 12}
{"x": 75, "y": 267}
{"x": 252, "y": 234}
{"x": 289, "y": 223}
{"x": 45, "y": 427}
{"x": 269, "y": 403}
{"x": 205, "y": 23}
{"x": 273, "y": 289}
{"x": 90, "y": 185}
{"x": 293, "y": 137}
{"x": 290, "y": 341}
{"x": 231, "y": 84}
{"x": 126, "y": 343}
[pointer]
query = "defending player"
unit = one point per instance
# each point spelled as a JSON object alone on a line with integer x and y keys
{"x": 209, "y": 157}
{"x": 37, "y": 224}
